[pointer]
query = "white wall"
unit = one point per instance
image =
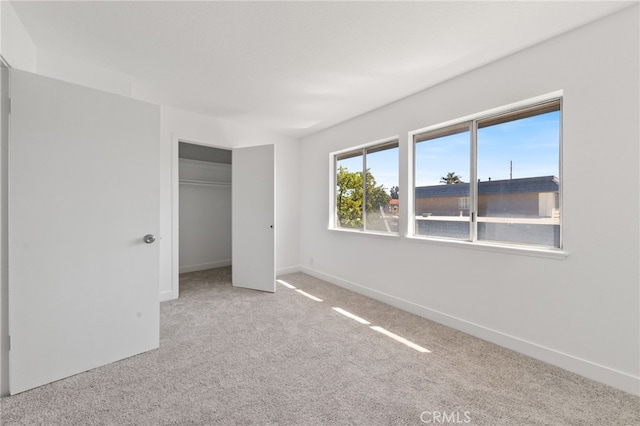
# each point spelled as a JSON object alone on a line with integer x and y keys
{"x": 205, "y": 215}
{"x": 581, "y": 313}
{"x": 17, "y": 47}
{"x": 287, "y": 206}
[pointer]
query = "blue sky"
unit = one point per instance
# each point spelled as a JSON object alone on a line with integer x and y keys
{"x": 532, "y": 144}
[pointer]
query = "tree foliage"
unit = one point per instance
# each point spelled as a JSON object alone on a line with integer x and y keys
{"x": 451, "y": 178}
{"x": 349, "y": 197}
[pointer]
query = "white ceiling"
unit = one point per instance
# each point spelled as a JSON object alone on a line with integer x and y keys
{"x": 295, "y": 67}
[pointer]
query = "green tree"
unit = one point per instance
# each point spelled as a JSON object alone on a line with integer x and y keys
{"x": 349, "y": 197}
{"x": 451, "y": 178}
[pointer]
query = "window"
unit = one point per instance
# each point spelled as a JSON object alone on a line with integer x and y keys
{"x": 369, "y": 204}
{"x": 493, "y": 178}
{"x": 463, "y": 203}
{"x": 442, "y": 177}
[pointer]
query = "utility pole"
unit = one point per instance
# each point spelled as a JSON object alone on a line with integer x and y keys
{"x": 510, "y": 169}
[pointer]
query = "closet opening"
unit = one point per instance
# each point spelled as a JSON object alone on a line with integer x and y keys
{"x": 204, "y": 207}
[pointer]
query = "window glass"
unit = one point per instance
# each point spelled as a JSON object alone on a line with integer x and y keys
{"x": 349, "y": 191}
{"x": 518, "y": 179}
{"x": 499, "y": 184}
{"x": 370, "y": 203}
{"x": 442, "y": 180}
{"x": 382, "y": 190}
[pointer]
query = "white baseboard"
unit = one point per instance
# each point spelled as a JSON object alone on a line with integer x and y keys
{"x": 588, "y": 369}
{"x": 203, "y": 266}
{"x": 288, "y": 270}
{"x": 166, "y": 295}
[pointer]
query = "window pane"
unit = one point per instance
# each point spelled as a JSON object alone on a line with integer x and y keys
{"x": 442, "y": 184}
{"x": 518, "y": 179}
{"x": 382, "y": 189}
{"x": 349, "y": 191}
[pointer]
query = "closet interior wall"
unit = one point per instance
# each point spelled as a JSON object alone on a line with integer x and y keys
{"x": 204, "y": 214}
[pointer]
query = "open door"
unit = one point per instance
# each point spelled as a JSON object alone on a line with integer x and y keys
{"x": 84, "y": 193}
{"x": 253, "y": 215}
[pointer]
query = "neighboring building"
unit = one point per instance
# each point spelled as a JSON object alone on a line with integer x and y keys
{"x": 525, "y": 197}
{"x": 394, "y": 206}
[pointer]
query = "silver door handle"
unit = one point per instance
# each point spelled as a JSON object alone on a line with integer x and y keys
{"x": 149, "y": 238}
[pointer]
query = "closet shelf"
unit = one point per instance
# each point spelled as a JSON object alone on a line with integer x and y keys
{"x": 204, "y": 183}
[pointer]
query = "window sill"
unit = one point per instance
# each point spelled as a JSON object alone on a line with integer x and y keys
{"x": 543, "y": 252}
{"x": 367, "y": 233}
{"x": 548, "y": 253}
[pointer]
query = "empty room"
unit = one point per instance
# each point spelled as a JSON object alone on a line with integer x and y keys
{"x": 319, "y": 212}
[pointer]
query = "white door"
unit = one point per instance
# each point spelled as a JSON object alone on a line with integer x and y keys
{"x": 83, "y": 192}
{"x": 252, "y": 218}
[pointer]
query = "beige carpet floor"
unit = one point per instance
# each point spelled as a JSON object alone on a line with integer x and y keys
{"x": 231, "y": 356}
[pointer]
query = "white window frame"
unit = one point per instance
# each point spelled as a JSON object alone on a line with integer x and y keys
{"x": 473, "y": 241}
{"x": 333, "y": 214}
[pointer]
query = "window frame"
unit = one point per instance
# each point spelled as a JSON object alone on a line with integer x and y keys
{"x": 359, "y": 150}
{"x": 472, "y": 121}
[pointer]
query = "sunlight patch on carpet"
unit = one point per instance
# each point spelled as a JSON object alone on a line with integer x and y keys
{"x": 310, "y": 296}
{"x": 400, "y": 339}
{"x": 352, "y": 316}
{"x": 284, "y": 283}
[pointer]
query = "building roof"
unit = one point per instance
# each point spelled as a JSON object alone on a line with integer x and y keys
{"x": 536, "y": 184}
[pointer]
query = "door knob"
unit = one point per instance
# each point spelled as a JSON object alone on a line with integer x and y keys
{"x": 149, "y": 238}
